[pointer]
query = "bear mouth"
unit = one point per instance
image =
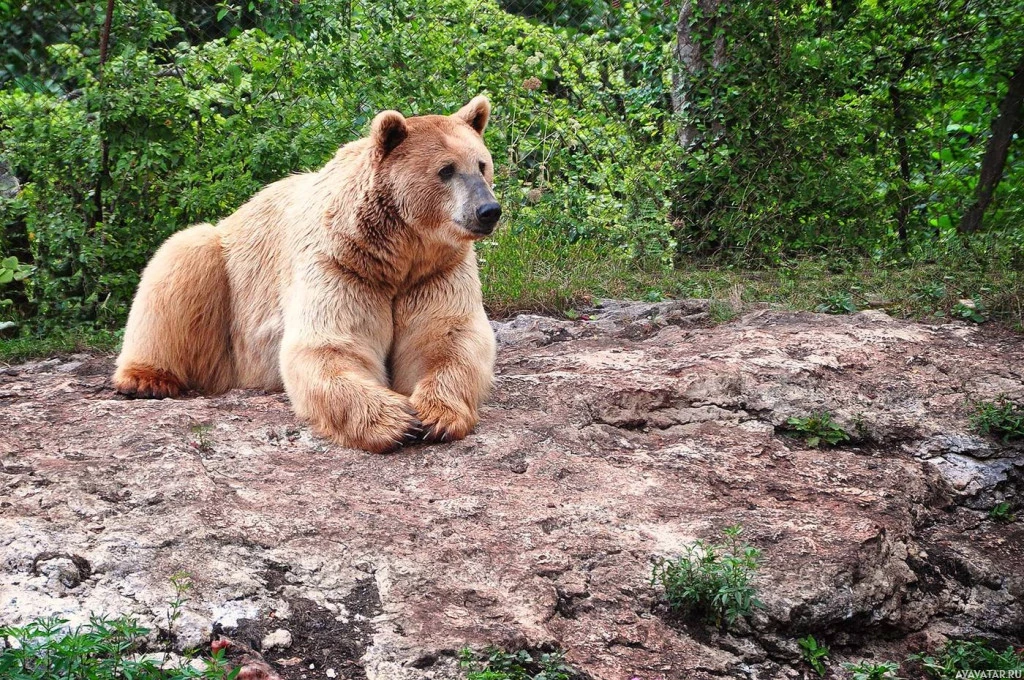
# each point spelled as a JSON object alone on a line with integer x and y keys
{"x": 480, "y": 231}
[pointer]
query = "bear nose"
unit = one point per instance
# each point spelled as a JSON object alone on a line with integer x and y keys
{"x": 487, "y": 214}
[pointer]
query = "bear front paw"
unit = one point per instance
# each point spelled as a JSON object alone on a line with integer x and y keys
{"x": 389, "y": 425}
{"x": 443, "y": 422}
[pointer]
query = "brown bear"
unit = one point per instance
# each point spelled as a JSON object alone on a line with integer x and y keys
{"x": 354, "y": 288}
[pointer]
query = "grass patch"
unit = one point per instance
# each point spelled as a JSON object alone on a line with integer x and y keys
{"x": 711, "y": 582}
{"x": 527, "y": 269}
{"x": 23, "y": 348}
{"x": 496, "y": 664}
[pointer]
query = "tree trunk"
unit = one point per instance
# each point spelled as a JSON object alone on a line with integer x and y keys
{"x": 1006, "y": 122}
{"x": 901, "y": 124}
{"x": 697, "y": 19}
{"x": 104, "y": 174}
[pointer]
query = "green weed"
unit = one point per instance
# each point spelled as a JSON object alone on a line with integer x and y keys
{"x": 866, "y": 670}
{"x": 1001, "y": 513}
{"x": 837, "y": 303}
{"x": 25, "y": 347}
{"x": 1001, "y": 418}
{"x": 200, "y": 439}
{"x": 103, "y": 649}
{"x": 711, "y": 582}
{"x": 814, "y": 653}
{"x": 722, "y": 311}
{"x": 496, "y": 664}
{"x": 970, "y": 310}
{"x": 961, "y": 658}
{"x": 818, "y": 429}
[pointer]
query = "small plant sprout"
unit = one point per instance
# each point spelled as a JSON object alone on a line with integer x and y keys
{"x": 200, "y": 439}
{"x": 814, "y": 653}
{"x": 711, "y": 582}
{"x": 1001, "y": 418}
{"x": 818, "y": 429}
{"x": 867, "y": 670}
{"x": 182, "y": 584}
{"x": 1001, "y": 512}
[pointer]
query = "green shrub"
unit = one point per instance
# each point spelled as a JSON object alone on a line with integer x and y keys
{"x": 104, "y": 649}
{"x": 711, "y": 582}
{"x": 961, "y": 658}
{"x": 201, "y": 104}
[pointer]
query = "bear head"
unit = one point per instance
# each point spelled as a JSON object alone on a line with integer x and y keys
{"x": 438, "y": 172}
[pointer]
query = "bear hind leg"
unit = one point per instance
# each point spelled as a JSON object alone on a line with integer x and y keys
{"x": 177, "y": 337}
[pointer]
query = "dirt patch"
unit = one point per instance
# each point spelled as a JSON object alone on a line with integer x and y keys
{"x": 320, "y": 639}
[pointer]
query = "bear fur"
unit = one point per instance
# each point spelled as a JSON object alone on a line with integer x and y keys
{"x": 354, "y": 288}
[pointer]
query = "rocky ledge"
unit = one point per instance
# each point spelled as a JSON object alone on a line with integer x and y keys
{"x": 609, "y": 441}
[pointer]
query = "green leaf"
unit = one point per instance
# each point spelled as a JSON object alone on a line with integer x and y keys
{"x": 234, "y": 72}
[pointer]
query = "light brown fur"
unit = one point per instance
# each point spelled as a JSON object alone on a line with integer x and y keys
{"x": 355, "y": 289}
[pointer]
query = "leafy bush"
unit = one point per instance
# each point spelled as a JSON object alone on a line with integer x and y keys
{"x": 1002, "y": 418}
{"x": 817, "y": 429}
{"x": 814, "y": 653}
{"x": 961, "y": 658}
{"x": 711, "y": 581}
{"x": 12, "y": 271}
{"x": 495, "y": 664}
{"x": 104, "y": 649}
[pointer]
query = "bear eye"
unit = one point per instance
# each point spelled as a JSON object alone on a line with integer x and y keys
{"x": 483, "y": 168}
{"x": 447, "y": 172}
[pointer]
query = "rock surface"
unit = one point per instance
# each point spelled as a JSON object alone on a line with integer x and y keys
{"x": 608, "y": 441}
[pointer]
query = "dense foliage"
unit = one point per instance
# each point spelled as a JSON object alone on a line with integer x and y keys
{"x": 103, "y": 649}
{"x": 853, "y": 128}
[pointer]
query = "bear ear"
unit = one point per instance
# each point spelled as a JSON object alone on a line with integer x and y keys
{"x": 388, "y": 130}
{"x": 476, "y": 113}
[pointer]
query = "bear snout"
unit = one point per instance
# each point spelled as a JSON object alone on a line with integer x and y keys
{"x": 487, "y": 216}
